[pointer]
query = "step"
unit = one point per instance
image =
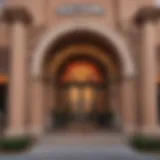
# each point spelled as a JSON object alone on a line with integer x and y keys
{"x": 80, "y": 127}
{"x": 70, "y": 138}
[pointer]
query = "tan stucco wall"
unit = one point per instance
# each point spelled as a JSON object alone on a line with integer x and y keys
{"x": 44, "y": 14}
{"x": 44, "y": 10}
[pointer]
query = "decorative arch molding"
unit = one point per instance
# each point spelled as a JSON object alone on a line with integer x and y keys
{"x": 128, "y": 68}
{"x": 86, "y": 50}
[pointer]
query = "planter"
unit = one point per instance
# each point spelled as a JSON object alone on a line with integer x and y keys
{"x": 145, "y": 143}
{"x": 14, "y": 144}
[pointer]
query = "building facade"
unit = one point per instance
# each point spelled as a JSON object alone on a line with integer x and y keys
{"x": 80, "y": 54}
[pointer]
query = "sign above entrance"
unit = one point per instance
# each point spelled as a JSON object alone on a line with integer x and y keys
{"x": 79, "y": 9}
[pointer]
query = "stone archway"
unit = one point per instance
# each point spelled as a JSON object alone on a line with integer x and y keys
{"x": 127, "y": 75}
{"x": 52, "y": 36}
{"x": 91, "y": 52}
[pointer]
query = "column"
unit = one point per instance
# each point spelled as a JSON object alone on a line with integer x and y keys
{"x": 4, "y": 30}
{"x": 49, "y": 94}
{"x": 37, "y": 107}
{"x": 17, "y": 79}
{"x": 112, "y": 100}
{"x": 148, "y": 78}
{"x": 115, "y": 104}
{"x": 128, "y": 110}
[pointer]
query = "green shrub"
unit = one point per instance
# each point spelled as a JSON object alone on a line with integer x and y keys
{"x": 14, "y": 143}
{"x": 145, "y": 143}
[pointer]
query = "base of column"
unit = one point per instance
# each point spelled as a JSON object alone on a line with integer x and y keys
{"x": 129, "y": 130}
{"x": 150, "y": 130}
{"x": 36, "y": 131}
{"x": 14, "y": 132}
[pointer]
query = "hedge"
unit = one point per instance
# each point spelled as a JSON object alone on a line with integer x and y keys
{"x": 14, "y": 143}
{"x": 145, "y": 143}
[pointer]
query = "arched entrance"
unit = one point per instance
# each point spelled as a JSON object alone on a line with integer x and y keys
{"x": 113, "y": 73}
{"x": 82, "y": 86}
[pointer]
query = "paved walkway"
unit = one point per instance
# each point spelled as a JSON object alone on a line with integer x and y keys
{"x": 82, "y": 152}
{"x": 72, "y": 149}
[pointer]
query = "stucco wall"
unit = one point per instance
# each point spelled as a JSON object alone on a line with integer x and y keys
{"x": 44, "y": 10}
{"x": 44, "y": 13}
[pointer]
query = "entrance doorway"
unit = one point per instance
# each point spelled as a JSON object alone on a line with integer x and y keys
{"x": 82, "y": 99}
{"x": 72, "y": 42}
{"x": 84, "y": 105}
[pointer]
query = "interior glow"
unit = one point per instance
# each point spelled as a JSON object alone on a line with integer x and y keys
{"x": 81, "y": 71}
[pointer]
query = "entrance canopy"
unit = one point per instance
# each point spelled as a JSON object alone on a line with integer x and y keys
{"x": 108, "y": 37}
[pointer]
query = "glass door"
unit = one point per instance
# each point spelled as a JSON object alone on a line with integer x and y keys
{"x": 81, "y": 101}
